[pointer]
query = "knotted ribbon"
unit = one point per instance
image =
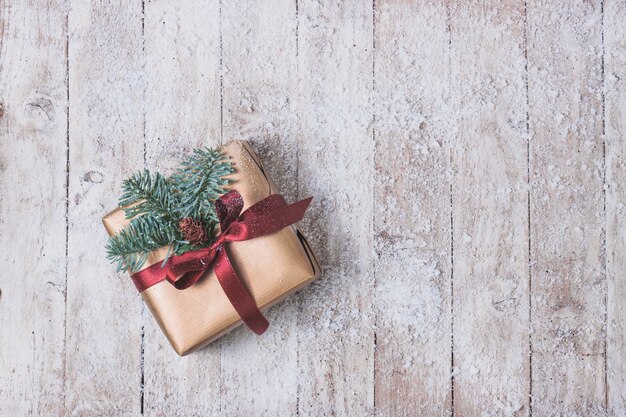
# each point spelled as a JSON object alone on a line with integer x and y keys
{"x": 263, "y": 218}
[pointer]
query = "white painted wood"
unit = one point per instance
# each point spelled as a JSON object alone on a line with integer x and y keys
{"x": 567, "y": 208}
{"x": 428, "y": 156}
{"x": 412, "y": 210}
{"x": 336, "y": 337}
{"x": 614, "y": 76}
{"x": 33, "y": 137}
{"x": 103, "y": 359}
{"x": 182, "y": 105}
{"x": 490, "y": 210}
{"x": 260, "y": 82}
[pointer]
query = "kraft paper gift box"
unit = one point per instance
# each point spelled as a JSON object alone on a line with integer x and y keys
{"x": 271, "y": 267}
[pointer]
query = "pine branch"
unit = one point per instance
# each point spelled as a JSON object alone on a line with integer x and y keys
{"x": 156, "y": 204}
{"x": 144, "y": 234}
{"x": 147, "y": 193}
{"x": 199, "y": 182}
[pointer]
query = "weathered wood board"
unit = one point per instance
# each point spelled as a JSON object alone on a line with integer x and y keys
{"x": 490, "y": 210}
{"x": 259, "y": 90}
{"x": 467, "y": 163}
{"x": 412, "y": 210}
{"x": 567, "y": 208}
{"x": 33, "y": 198}
{"x": 614, "y": 124}
{"x": 335, "y": 164}
{"x": 105, "y": 143}
{"x": 182, "y": 111}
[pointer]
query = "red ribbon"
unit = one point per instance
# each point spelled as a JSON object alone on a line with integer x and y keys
{"x": 182, "y": 271}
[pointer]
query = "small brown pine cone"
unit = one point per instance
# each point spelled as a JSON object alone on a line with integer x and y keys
{"x": 193, "y": 230}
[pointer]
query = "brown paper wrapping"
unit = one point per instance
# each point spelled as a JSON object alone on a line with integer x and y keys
{"x": 271, "y": 267}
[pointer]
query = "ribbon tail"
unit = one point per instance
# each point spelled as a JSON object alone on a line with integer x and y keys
{"x": 271, "y": 215}
{"x": 293, "y": 213}
{"x": 238, "y": 295}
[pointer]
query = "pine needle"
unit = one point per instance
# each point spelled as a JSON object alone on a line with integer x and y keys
{"x": 199, "y": 182}
{"x": 156, "y": 204}
{"x": 144, "y": 234}
{"x": 147, "y": 193}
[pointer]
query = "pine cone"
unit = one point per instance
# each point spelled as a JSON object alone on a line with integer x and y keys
{"x": 193, "y": 230}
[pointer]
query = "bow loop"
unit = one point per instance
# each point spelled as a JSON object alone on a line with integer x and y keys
{"x": 228, "y": 207}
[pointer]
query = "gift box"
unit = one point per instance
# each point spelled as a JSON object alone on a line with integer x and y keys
{"x": 269, "y": 267}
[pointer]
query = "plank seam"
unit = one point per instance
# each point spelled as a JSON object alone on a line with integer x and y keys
{"x": 221, "y": 64}
{"x": 297, "y": 74}
{"x": 142, "y": 368}
{"x": 452, "y": 364}
{"x": 528, "y": 195}
{"x": 374, "y": 280}
{"x": 221, "y": 141}
{"x": 604, "y": 188}
{"x": 67, "y": 199}
{"x": 451, "y": 304}
{"x": 297, "y": 34}
{"x": 300, "y": 310}
{"x": 142, "y": 354}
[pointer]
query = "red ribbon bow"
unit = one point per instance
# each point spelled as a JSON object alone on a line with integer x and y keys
{"x": 265, "y": 217}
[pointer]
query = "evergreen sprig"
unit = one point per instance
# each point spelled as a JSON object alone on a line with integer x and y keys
{"x": 156, "y": 204}
{"x": 199, "y": 182}
{"x": 144, "y": 234}
{"x": 147, "y": 193}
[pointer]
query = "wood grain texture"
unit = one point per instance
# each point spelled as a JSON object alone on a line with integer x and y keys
{"x": 412, "y": 210}
{"x": 467, "y": 163}
{"x": 567, "y": 208}
{"x": 490, "y": 210}
{"x": 614, "y": 76}
{"x": 183, "y": 111}
{"x": 105, "y": 145}
{"x": 33, "y": 126}
{"x": 336, "y": 348}
{"x": 260, "y": 82}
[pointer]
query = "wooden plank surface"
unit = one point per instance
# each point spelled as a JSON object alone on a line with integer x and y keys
{"x": 336, "y": 346}
{"x": 614, "y": 76}
{"x": 182, "y": 111}
{"x": 466, "y": 160}
{"x": 260, "y": 86}
{"x": 33, "y": 135}
{"x": 103, "y": 357}
{"x": 412, "y": 210}
{"x": 490, "y": 210}
{"x": 567, "y": 208}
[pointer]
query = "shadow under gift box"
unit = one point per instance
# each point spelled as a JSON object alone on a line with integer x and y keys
{"x": 271, "y": 267}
